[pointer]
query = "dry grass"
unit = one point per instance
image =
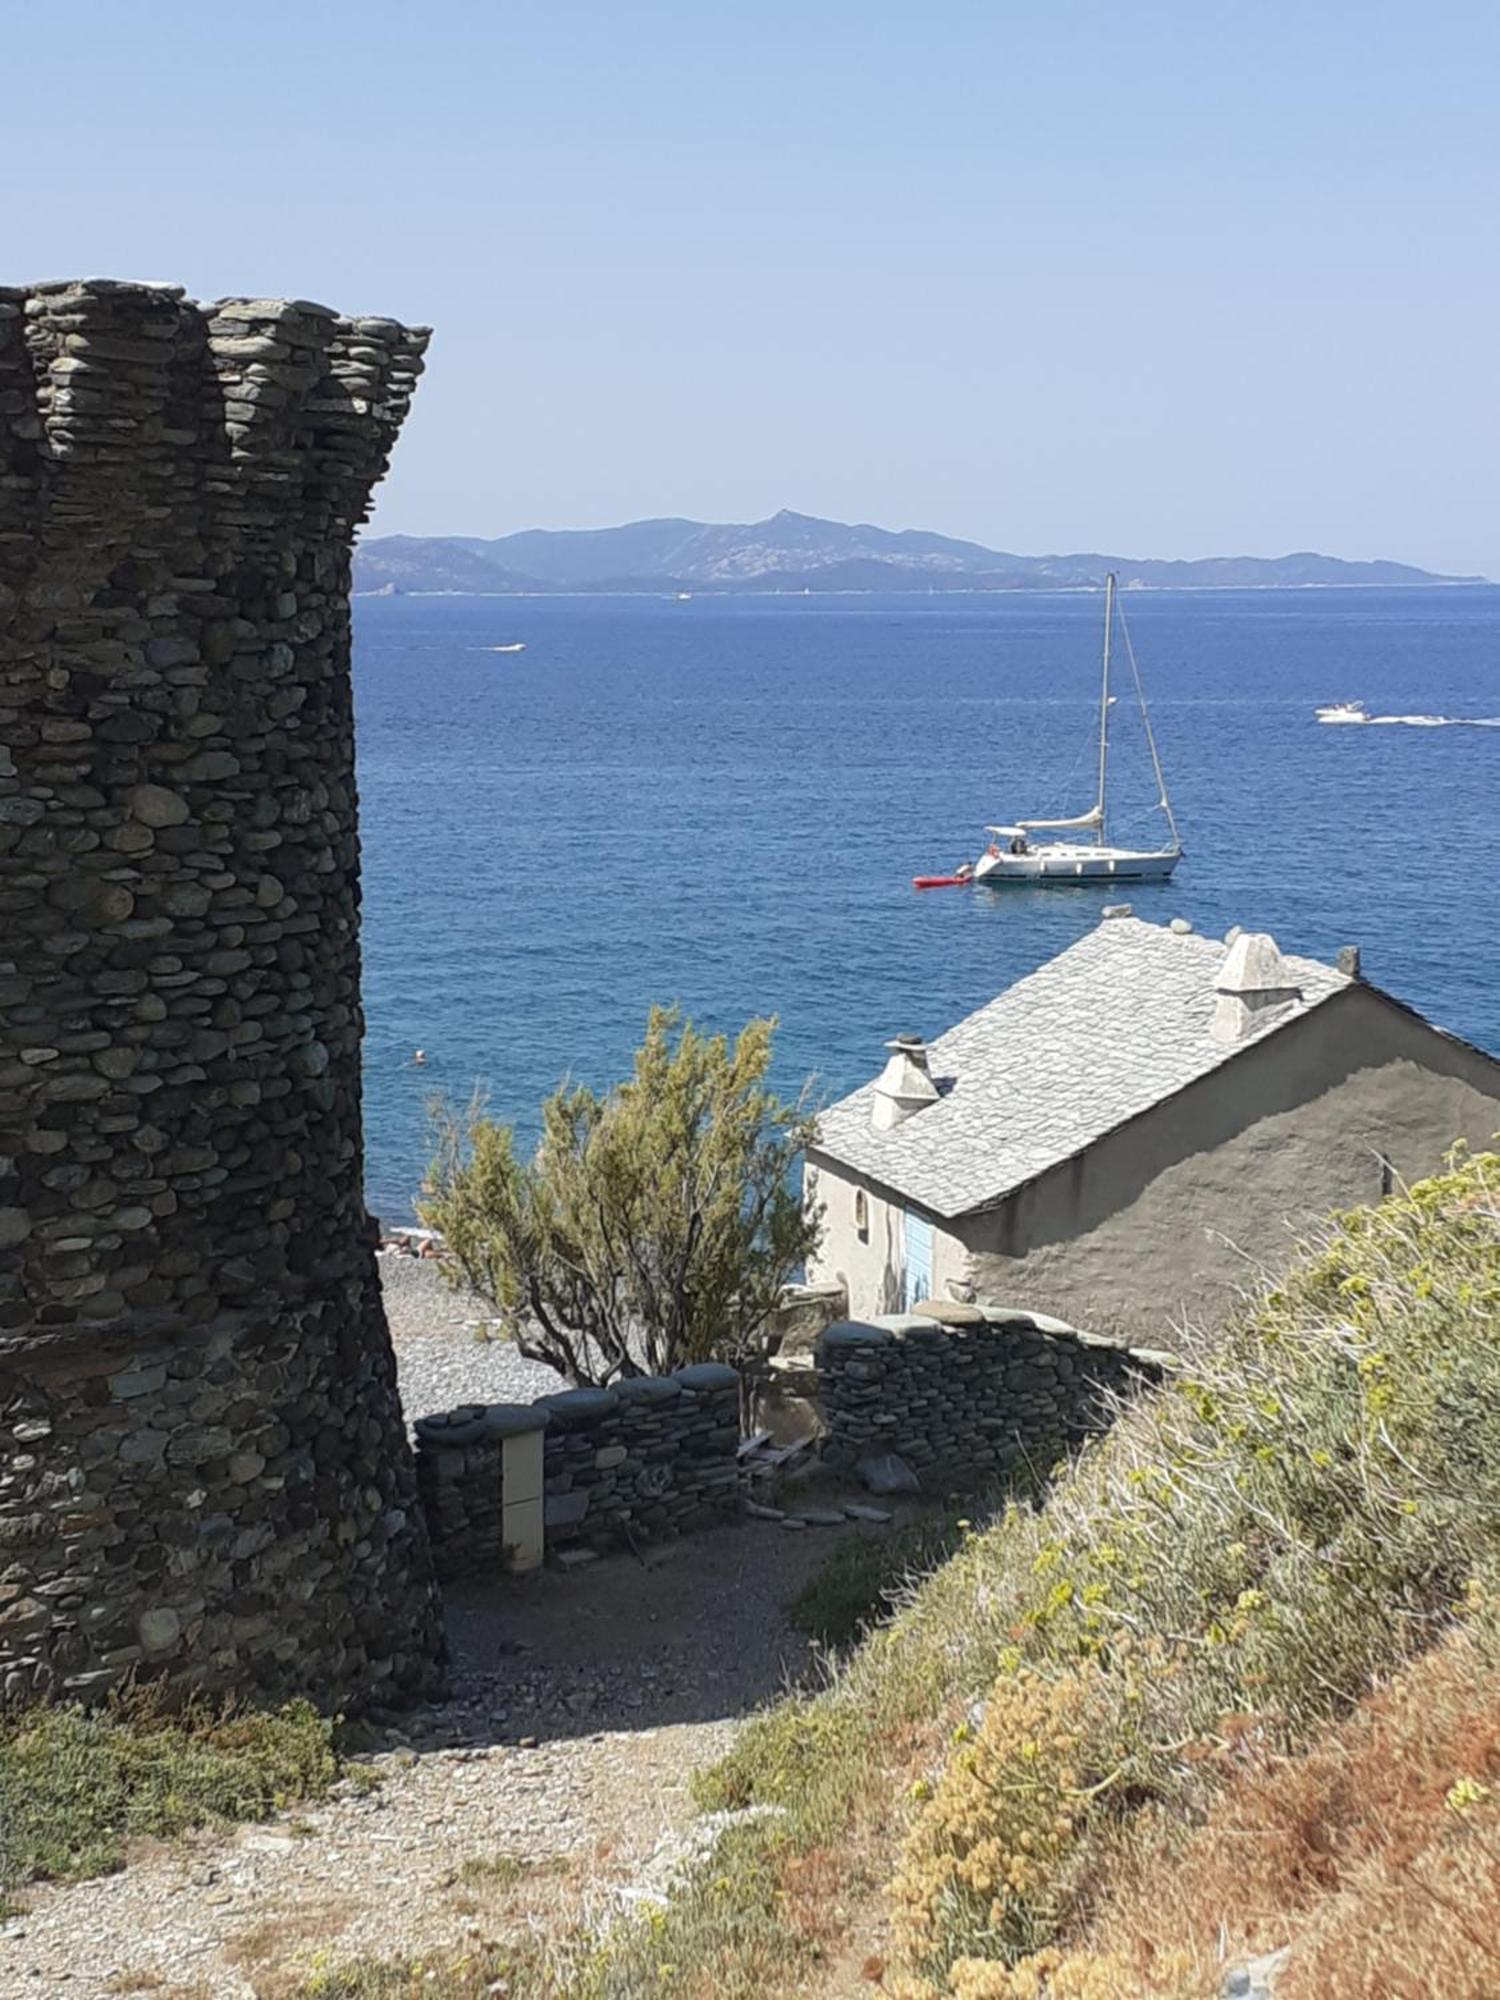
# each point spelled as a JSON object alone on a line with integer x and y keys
{"x": 277, "y": 1949}
{"x": 1375, "y": 1853}
{"x": 505, "y": 1871}
{"x": 154, "y": 1984}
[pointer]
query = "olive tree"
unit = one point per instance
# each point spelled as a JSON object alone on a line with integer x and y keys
{"x": 653, "y": 1226}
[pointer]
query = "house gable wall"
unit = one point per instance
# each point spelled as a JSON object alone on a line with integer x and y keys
{"x": 1170, "y": 1216}
{"x": 871, "y": 1263}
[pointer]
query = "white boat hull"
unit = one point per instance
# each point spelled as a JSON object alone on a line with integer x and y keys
{"x": 1068, "y": 866}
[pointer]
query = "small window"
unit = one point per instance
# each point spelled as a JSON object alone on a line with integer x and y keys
{"x": 862, "y": 1215}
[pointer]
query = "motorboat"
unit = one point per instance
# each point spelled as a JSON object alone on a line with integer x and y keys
{"x": 1343, "y": 711}
{"x": 1015, "y": 855}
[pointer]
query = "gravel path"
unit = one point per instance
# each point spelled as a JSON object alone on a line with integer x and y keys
{"x": 581, "y": 1703}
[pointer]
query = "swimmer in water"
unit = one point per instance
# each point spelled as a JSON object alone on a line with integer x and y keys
{"x": 419, "y": 1056}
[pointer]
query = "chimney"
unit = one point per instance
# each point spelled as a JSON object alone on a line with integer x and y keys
{"x": 1254, "y": 986}
{"x": 904, "y": 1085}
{"x": 1348, "y": 961}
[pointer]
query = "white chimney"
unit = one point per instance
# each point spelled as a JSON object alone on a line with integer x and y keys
{"x": 904, "y": 1085}
{"x": 1254, "y": 986}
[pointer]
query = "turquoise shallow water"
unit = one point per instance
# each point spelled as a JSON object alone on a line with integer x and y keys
{"x": 723, "y": 802}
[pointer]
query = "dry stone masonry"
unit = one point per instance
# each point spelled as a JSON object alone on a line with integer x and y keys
{"x": 479, "y": 1474}
{"x": 646, "y": 1459}
{"x": 969, "y": 1393}
{"x": 203, "y": 1469}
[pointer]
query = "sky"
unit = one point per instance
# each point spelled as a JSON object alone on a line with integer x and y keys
{"x": 1158, "y": 280}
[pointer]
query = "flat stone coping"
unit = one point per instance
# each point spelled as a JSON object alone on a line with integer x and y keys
{"x": 1009, "y": 1319}
{"x": 648, "y": 1389}
{"x": 570, "y": 1409}
{"x": 855, "y": 1333}
{"x": 948, "y": 1313}
{"x": 577, "y": 1409}
{"x": 900, "y": 1323}
{"x": 476, "y": 1423}
{"x": 708, "y": 1375}
{"x": 507, "y": 1420}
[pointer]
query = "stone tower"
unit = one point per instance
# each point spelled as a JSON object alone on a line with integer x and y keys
{"x": 203, "y": 1467}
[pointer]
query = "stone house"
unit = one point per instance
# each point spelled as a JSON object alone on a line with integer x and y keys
{"x": 1136, "y": 1132}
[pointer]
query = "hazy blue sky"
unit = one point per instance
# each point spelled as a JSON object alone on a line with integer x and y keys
{"x": 1158, "y": 279}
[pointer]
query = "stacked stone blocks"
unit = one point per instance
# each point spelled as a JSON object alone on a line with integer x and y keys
{"x": 204, "y": 1469}
{"x": 969, "y": 1394}
{"x": 481, "y": 1481}
{"x": 643, "y": 1460}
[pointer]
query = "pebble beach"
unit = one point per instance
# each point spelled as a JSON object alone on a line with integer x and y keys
{"x": 444, "y": 1354}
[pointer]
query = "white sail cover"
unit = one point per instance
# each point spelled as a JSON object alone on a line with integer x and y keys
{"x": 1060, "y": 825}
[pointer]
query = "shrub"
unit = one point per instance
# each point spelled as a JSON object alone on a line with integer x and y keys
{"x": 655, "y": 1226}
{"x": 986, "y": 1862}
{"x": 77, "y": 1784}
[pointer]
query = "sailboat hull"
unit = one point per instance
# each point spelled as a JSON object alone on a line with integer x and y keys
{"x": 1064, "y": 867}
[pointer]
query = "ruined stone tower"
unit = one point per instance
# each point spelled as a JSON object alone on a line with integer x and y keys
{"x": 203, "y": 1469}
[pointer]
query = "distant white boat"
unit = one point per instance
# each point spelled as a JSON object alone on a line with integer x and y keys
{"x": 516, "y": 646}
{"x": 1343, "y": 711}
{"x": 684, "y": 597}
{"x": 1014, "y": 857}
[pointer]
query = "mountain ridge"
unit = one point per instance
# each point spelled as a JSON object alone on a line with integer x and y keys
{"x": 800, "y": 552}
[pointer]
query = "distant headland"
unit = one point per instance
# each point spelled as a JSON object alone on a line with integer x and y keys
{"x": 796, "y": 552}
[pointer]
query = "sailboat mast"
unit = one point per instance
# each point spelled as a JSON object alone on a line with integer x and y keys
{"x": 1109, "y": 630}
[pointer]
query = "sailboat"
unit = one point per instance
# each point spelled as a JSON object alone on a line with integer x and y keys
{"x": 1013, "y": 856}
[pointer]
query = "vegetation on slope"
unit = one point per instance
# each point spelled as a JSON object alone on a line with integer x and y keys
{"x": 1231, "y": 1687}
{"x": 1314, "y": 1503}
{"x": 867, "y": 1578}
{"x": 77, "y": 1784}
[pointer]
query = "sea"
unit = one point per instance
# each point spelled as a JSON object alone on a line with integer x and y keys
{"x": 721, "y": 801}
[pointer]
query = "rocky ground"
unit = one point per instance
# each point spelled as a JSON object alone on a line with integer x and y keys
{"x": 580, "y": 1704}
{"x": 442, "y": 1350}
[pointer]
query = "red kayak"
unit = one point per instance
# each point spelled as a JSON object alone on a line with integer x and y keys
{"x": 940, "y": 881}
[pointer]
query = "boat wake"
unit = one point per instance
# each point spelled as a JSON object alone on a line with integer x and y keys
{"x": 1352, "y": 714}
{"x": 1434, "y": 721}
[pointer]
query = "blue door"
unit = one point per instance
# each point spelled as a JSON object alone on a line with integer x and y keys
{"x": 918, "y": 1280}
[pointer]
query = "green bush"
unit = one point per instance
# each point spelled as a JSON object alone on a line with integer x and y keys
{"x": 77, "y": 1784}
{"x": 653, "y": 1226}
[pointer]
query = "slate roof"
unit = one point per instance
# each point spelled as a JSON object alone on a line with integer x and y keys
{"x": 1103, "y": 1032}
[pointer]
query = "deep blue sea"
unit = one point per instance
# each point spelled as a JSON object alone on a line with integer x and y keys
{"x": 723, "y": 801}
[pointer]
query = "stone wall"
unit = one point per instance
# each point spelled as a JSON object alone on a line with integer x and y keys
{"x": 794, "y": 1328}
{"x": 969, "y": 1393}
{"x": 204, "y": 1469}
{"x": 634, "y": 1463}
